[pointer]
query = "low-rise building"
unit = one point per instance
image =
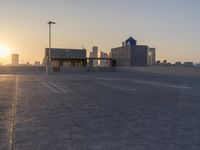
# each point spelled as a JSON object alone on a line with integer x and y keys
{"x": 37, "y": 63}
{"x": 178, "y": 63}
{"x": 65, "y": 58}
{"x": 188, "y": 64}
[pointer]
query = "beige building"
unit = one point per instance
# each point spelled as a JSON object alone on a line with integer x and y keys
{"x": 15, "y": 59}
{"x": 94, "y": 54}
{"x": 104, "y": 63}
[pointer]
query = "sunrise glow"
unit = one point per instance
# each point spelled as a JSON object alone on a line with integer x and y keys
{"x": 4, "y": 51}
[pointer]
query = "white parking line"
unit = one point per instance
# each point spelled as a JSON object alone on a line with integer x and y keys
{"x": 150, "y": 83}
{"x": 162, "y": 84}
{"x": 116, "y": 86}
{"x": 57, "y": 88}
{"x": 60, "y": 88}
{"x": 50, "y": 87}
{"x": 13, "y": 134}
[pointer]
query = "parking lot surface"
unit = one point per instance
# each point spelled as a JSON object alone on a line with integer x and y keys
{"x": 99, "y": 111}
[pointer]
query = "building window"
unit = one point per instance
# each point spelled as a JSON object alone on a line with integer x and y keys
{"x": 55, "y": 63}
{"x": 67, "y": 64}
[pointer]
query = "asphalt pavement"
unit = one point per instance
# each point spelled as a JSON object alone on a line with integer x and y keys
{"x": 99, "y": 111}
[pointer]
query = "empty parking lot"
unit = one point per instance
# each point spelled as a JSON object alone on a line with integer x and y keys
{"x": 99, "y": 111}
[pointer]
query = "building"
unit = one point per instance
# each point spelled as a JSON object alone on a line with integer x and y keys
{"x": 104, "y": 62}
{"x": 94, "y": 54}
{"x": 95, "y": 51}
{"x": 131, "y": 54}
{"x": 188, "y": 64}
{"x": 37, "y": 63}
{"x": 43, "y": 61}
{"x": 178, "y": 63}
{"x": 15, "y": 59}
{"x": 152, "y": 56}
{"x": 130, "y": 41}
{"x": 109, "y": 54}
{"x": 66, "y": 58}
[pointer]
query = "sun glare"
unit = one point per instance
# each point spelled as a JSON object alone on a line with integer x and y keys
{"x": 4, "y": 51}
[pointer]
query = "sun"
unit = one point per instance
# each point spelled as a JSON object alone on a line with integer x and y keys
{"x": 4, "y": 51}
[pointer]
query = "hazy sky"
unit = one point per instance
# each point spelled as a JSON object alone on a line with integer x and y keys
{"x": 171, "y": 26}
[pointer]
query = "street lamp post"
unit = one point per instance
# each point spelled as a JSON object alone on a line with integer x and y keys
{"x": 48, "y": 57}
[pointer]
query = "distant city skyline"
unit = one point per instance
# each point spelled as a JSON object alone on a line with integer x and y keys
{"x": 172, "y": 26}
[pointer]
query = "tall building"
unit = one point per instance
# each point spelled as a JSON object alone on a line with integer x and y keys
{"x": 94, "y": 54}
{"x": 131, "y": 54}
{"x": 152, "y": 56}
{"x": 15, "y": 59}
{"x": 104, "y": 63}
{"x": 95, "y": 51}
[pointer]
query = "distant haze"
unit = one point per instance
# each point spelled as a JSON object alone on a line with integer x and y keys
{"x": 171, "y": 26}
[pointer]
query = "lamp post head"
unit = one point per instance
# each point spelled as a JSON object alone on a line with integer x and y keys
{"x": 51, "y": 22}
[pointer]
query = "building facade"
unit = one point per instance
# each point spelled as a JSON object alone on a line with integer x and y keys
{"x": 94, "y": 54}
{"x": 66, "y": 58}
{"x": 131, "y": 54}
{"x": 37, "y": 63}
{"x": 15, "y": 59}
{"x": 152, "y": 56}
{"x": 104, "y": 63}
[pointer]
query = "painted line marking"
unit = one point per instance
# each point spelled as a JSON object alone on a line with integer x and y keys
{"x": 56, "y": 88}
{"x": 50, "y": 87}
{"x": 70, "y": 90}
{"x": 150, "y": 83}
{"x": 162, "y": 84}
{"x": 117, "y": 87}
{"x": 66, "y": 89}
{"x": 13, "y": 134}
{"x": 60, "y": 88}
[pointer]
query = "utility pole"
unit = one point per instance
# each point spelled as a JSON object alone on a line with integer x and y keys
{"x": 48, "y": 52}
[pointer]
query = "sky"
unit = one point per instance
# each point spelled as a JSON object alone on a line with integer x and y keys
{"x": 172, "y": 26}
